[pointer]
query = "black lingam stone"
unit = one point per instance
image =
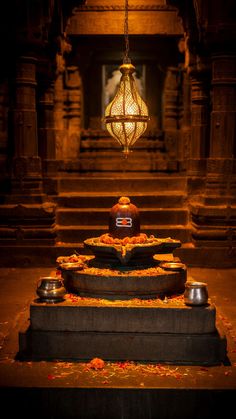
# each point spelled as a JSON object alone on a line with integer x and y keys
{"x": 124, "y": 219}
{"x": 123, "y": 257}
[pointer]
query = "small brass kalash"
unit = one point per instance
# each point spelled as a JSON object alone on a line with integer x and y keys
{"x": 125, "y": 263}
{"x": 50, "y": 290}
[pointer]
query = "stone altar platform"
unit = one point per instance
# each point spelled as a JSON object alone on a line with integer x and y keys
{"x": 156, "y": 330}
{"x": 62, "y": 389}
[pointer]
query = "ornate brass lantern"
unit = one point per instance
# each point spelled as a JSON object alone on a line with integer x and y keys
{"x": 126, "y": 116}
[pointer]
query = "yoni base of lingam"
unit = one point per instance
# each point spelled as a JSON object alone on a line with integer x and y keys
{"x": 126, "y": 263}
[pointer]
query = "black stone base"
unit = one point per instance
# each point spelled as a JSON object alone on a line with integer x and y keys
{"x": 178, "y": 349}
{"x": 159, "y": 332}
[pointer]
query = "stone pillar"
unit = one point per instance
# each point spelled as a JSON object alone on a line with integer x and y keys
{"x": 46, "y": 131}
{"x": 200, "y": 129}
{"x": 59, "y": 102}
{"x": 26, "y": 180}
{"x": 72, "y": 112}
{"x": 185, "y": 127}
{"x": 221, "y": 173}
{"x": 171, "y": 115}
{"x": 26, "y": 217}
{"x": 214, "y": 217}
{"x": 59, "y": 116}
{"x": 68, "y": 117}
{"x": 200, "y": 117}
{"x": 47, "y": 137}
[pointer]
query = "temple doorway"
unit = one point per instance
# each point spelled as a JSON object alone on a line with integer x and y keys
{"x": 82, "y": 92}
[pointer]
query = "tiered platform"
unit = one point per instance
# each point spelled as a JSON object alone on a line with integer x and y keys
{"x": 160, "y": 330}
{"x": 63, "y": 390}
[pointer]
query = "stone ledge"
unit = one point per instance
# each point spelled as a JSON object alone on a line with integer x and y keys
{"x": 87, "y": 315}
{"x": 179, "y": 349}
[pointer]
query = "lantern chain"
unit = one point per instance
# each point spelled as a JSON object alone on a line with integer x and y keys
{"x": 126, "y": 30}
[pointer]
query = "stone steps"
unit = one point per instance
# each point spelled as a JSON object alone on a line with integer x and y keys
{"x": 99, "y": 216}
{"x": 84, "y": 204}
{"x": 172, "y": 199}
{"x": 122, "y": 185}
{"x": 100, "y": 161}
{"x": 123, "y": 317}
{"x": 77, "y": 234}
{"x": 77, "y": 331}
{"x": 162, "y": 347}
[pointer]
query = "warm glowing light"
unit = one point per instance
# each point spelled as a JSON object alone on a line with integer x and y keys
{"x": 127, "y": 115}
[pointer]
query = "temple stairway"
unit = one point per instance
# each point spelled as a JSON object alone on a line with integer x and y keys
{"x": 84, "y": 203}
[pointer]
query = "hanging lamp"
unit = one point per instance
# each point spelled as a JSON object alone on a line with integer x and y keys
{"x": 126, "y": 116}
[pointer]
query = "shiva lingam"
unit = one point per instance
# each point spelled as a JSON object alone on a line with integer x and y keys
{"x": 124, "y": 263}
{"x": 125, "y": 244}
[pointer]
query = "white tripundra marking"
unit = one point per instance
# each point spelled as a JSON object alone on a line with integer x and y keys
{"x": 123, "y": 222}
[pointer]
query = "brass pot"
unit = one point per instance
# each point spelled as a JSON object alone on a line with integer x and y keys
{"x": 50, "y": 289}
{"x": 195, "y": 293}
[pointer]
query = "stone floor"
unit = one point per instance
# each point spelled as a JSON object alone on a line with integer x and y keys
{"x": 119, "y": 390}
